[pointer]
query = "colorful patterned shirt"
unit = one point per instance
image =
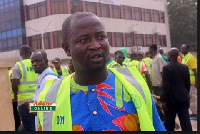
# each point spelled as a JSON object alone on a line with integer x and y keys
{"x": 101, "y": 108}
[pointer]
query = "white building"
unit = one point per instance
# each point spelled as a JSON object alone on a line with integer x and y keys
{"x": 129, "y": 23}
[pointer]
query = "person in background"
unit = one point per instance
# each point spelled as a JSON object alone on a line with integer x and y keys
{"x": 58, "y": 69}
{"x": 162, "y": 54}
{"x": 24, "y": 85}
{"x": 119, "y": 58}
{"x": 140, "y": 56}
{"x": 140, "y": 65}
{"x": 126, "y": 60}
{"x": 147, "y": 60}
{"x": 14, "y": 102}
{"x": 95, "y": 98}
{"x": 191, "y": 61}
{"x": 175, "y": 92}
{"x": 111, "y": 63}
{"x": 40, "y": 66}
{"x": 156, "y": 65}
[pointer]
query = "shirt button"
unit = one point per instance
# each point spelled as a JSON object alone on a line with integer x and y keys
{"x": 93, "y": 90}
{"x": 94, "y": 112}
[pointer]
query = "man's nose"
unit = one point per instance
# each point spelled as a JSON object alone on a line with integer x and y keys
{"x": 94, "y": 44}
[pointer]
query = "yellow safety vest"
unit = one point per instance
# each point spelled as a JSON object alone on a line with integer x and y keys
{"x": 28, "y": 81}
{"x": 112, "y": 64}
{"x": 184, "y": 61}
{"x": 147, "y": 61}
{"x": 65, "y": 71}
{"x": 58, "y": 91}
{"x": 126, "y": 60}
{"x": 138, "y": 65}
{"x": 9, "y": 76}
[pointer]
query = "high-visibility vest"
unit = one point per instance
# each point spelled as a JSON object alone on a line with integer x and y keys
{"x": 147, "y": 61}
{"x": 65, "y": 71}
{"x": 138, "y": 65}
{"x": 112, "y": 64}
{"x": 9, "y": 76}
{"x": 58, "y": 91}
{"x": 126, "y": 60}
{"x": 28, "y": 81}
{"x": 184, "y": 61}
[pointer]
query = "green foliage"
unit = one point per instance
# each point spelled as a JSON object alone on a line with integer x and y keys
{"x": 183, "y": 22}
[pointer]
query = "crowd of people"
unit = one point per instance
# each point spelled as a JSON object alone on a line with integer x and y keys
{"x": 98, "y": 93}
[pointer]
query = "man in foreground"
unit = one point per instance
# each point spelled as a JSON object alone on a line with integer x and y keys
{"x": 91, "y": 99}
{"x": 175, "y": 93}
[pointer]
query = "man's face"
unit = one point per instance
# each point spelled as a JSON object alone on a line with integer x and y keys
{"x": 119, "y": 58}
{"x": 57, "y": 64}
{"x": 140, "y": 57}
{"x": 184, "y": 49}
{"x": 39, "y": 64}
{"x": 168, "y": 56}
{"x": 151, "y": 52}
{"x": 88, "y": 45}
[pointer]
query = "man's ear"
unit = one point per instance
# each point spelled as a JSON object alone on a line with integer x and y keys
{"x": 65, "y": 46}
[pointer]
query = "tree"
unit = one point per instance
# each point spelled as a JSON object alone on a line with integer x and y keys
{"x": 183, "y": 22}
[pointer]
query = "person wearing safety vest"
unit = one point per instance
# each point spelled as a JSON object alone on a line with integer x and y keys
{"x": 24, "y": 85}
{"x": 95, "y": 98}
{"x": 119, "y": 58}
{"x": 111, "y": 63}
{"x": 140, "y": 65}
{"x": 147, "y": 60}
{"x": 58, "y": 69}
{"x": 14, "y": 103}
{"x": 40, "y": 65}
{"x": 126, "y": 60}
{"x": 191, "y": 61}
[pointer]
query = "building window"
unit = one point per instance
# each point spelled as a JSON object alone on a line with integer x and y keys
{"x": 76, "y": 6}
{"x": 35, "y": 42}
{"x": 37, "y": 10}
{"x": 156, "y": 16}
{"x": 138, "y": 13}
{"x": 118, "y": 39}
{"x": 129, "y": 40}
{"x": 147, "y": 15}
{"x": 127, "y": 12}
{"x": 116, "y": 12}
{"x": 104, "y": 10}
{"x": 164, "y": 41}
{"x": 109, "y": 35}
{"x": 59, "y": 7}
{"x": 47, "y": 42}
{"x": 149, "y": 40}
{"x": 57, "y": 39}
{"x": 158, "y": 40}
{"x": 91, "y": 7}
{"x": 162, "y": 17}
{"x": 139, "y": 39}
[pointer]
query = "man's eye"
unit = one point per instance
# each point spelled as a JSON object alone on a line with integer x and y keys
{"x": 101, "y": 37}
{"x": 83, "y": 41}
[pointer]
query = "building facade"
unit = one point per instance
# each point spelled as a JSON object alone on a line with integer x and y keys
{"x": 134, "y": 24}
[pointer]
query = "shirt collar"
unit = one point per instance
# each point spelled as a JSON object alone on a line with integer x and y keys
{"x": 47, "y": 70}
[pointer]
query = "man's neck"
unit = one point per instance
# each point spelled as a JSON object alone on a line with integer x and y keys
{"x": 186, "y": 53}
{"x": 86, "y": 78}
{"x": 59, "y": 69}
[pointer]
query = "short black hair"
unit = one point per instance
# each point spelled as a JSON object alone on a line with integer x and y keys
{"x": 44, "y": 54}
{"x": 25, "y": 48}
{"x": 133, "y": 55}
{"x": 66, "y": 31}
{"x": 154, "y": 47}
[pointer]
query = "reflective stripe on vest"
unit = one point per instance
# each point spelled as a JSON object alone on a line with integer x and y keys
{"x": 50, "y": 121}
{"x": 140, "y": 94}
{"x": 184, "y": 61}
{"x": 27, "y": 85}
{"x": 59, "y": 92}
